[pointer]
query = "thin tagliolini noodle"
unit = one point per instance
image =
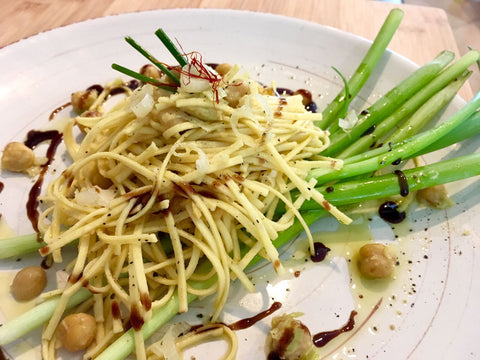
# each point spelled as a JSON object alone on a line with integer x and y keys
{"x": 166, "y": 190}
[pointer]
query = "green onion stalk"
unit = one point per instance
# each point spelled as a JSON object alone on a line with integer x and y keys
{"x": 403, "y": 151}
{"x": 452, "y": 73}
{"x": 387, "y": 104}
{"x": 365, "y": 69}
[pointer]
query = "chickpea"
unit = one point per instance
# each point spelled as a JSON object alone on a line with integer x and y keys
{"x": 267, "y": 91}
{"x": 77, "y": 331}
{"x": 290, "y": 338}
{"x": 17, "y": 157}
{"x": 435, "y": 196}
{"x": 28, "y": 283}
{"x": 235, "y": 91}
{"x": 82, "y": 100}
{"x": 375, "y": 261}
{"x": 223, "y": 68}
{"x": 151, "y": 71}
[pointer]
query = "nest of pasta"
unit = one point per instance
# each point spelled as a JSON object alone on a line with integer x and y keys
{"x": 176, "y": 193}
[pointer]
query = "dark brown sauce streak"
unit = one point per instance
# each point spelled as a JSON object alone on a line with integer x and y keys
{"x": 397, "y": 162}
{"x": 2, "y": 185}
{"x": 281, "y": 104}
{"x": 140, "y": 201}
{"x": 57, "y": 110}
{"x": 116, "y": 91}
{"x": 323, "y": 338}
{"x": 97, "y": 87}
{"x": 284, "y": 91}
{"x": 136, "y": 319}
{"x": 285, "y": 340}
{"x": 308, "y": 99}
{"x": 273, "y": 356}
{"x": 33, "y": 139}
{"x": 133, "y": 84}
{"x": 320, "y": 252}
{"x": 246, "y": 323}
{"x": 388, "y": 211}
{"x": 356, "y": 330}
{"x": 306, "y": 94}
{"x": 47, "y": 262}
{"x": 116, "y": 310}
{"x": 369, "y": 131}
{"x": 73, "y": 278}
{"x": 240, "y": 324}
{"x": 402, "y": 182}
{"x": 146, "y": 301}
{"x": 2, "y": 354}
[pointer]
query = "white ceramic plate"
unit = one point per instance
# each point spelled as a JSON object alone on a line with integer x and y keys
{"x": 431, "y": 309}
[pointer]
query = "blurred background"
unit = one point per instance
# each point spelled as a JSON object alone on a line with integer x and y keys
{"x": 464, "y": 19}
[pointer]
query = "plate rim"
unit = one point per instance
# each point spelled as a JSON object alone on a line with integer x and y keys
{"x": 203, "y": 10}
{"x": 236, "y": 12}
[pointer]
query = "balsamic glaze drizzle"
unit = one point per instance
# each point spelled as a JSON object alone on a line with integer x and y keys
{"x": 33, "y": 139}
{"x": 320, "y": 252}
{"x": 3, "y": 356}
{"x": 402, "y": 182}
{"x": 323, "y": 338}
{"x": 388, "y": 211}
{"x": 246, "y": 323}
{"x": 370, "y": 130}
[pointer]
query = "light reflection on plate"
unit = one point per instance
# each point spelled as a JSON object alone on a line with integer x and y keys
{"x": 430, "y": 311}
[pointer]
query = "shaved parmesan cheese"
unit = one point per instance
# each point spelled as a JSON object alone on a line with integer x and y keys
{"x": 94, "y": 196}
{"x": 349, "y": 122}
{"x": 141, "y": 101}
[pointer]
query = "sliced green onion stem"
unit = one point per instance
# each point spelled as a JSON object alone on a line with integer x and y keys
{"x": 387, "y": 104}
{"x": 343, "y": 112}
{"x": 411, "y": 105}
{"x": 382, "y": 186}
{"x": 33, "y": 318}
{"x": 402, "y": 151}
{"x": 143, "y": 78}
{"x": 366, "y": 67}
{"x": 428, "y": 110}
{"x": 152, "y": 59}
{"x": 469, "y": 128}
{"x": 177, "y": 54}
{"x": 19, "y": 245}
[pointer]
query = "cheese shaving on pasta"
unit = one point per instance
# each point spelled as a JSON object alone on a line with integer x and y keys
{"x": 163, "y": 182}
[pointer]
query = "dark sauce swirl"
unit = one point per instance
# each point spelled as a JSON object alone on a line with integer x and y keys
{"x": 58, "y": 109}
{"x": 323, "y": 338}
{"x": 35, "y": 138}
{"x": 388, "y": 211}
{"x": 2, "y": 354}
{"x": 402, "y": 182}
{"x": 320, "y": 252}
{"x": 246, "y": 323}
